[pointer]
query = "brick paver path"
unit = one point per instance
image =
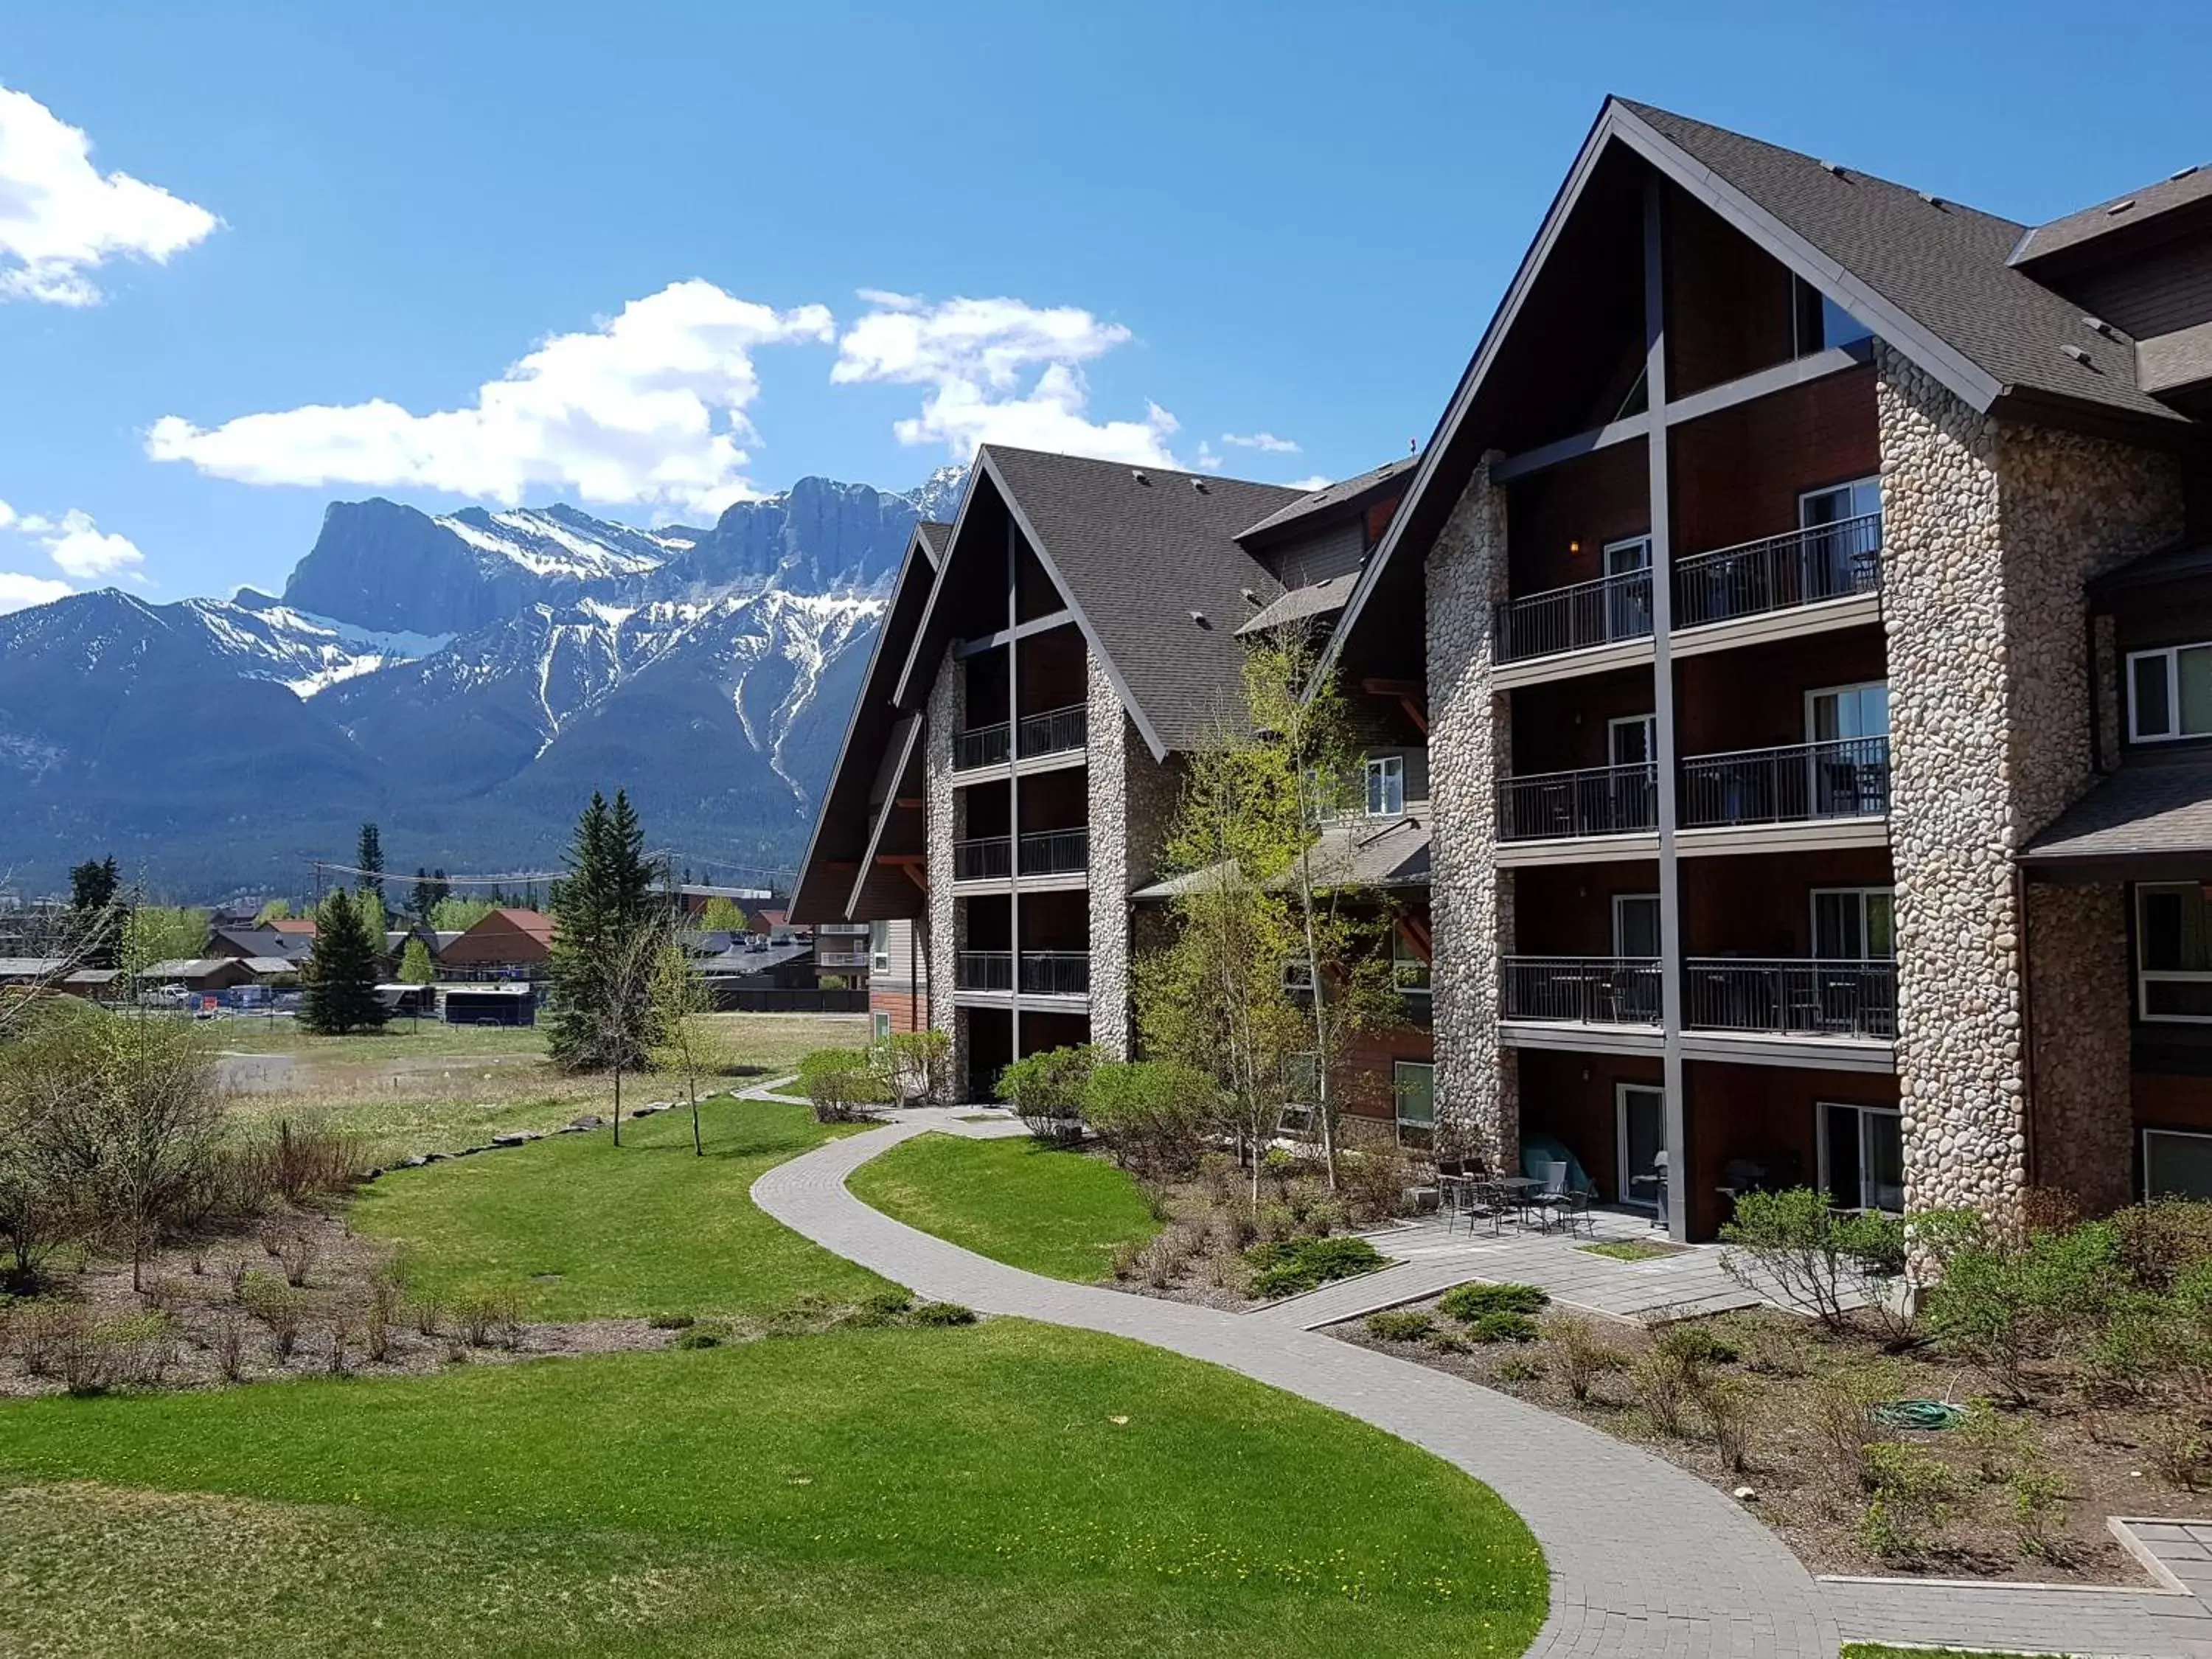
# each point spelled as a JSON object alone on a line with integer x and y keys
{"x": 1645, "y": 1560}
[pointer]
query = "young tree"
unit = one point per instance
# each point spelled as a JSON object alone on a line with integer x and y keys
{"x": 159, "y": 933}
{"x": 155, "y": 1121}
{"x": 723, "y": 915}
{"x": 416, "y": 967}
{"x": 680, "y": 999}
{"x": 458, "y": 916}
{"x": 47, "y": 1156}
{"x": 277, "y": 909}
{"x": 626, "y": 1012}
{"x": 605, "y": 903}
{"x": 340, "y": 975}
{"x": 368, "y": 855}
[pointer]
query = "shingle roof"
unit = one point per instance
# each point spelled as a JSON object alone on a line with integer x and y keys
{"x": 937, "y": 536}
{"x": 1335, "y": 495}
{"x": 1357, "y": 852}
{"x": 1316, "y": 599}
{"x": 2121, "y": 212}
{"x": 1943, "y": 265}
{"x": 2142, "y": 811}
{"x": 1139, "y": 551}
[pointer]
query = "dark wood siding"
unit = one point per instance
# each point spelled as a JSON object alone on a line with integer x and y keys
{"x": 1334, "y": 550}
{"x": 1562, "y": 726}
{"x": 1727, "y": 300}
{"x": 1755, "y": 698}
{"x": 1763, "y": 906}
{"x": 2157, "y": 292}
{"x": 1558, "y": 520}
{"x": 1567, "y": 910}
{"x": 1738, "y": 474}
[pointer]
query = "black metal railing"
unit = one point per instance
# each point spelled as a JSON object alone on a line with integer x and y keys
{"x": 1052, "y": 733}
{"x": 1593, "y": 990}
{"x": 988, "y": 858}
{"x": 1775, "y": 573}
{"x": 1793, "y": 998}
{"x": 1602, "y": 800}
{"x": 1056, "y": 853}
{"x": 1055, "y": 973}
{"x": 984, "y": 970}
{"x": 1843, "y": 778}
{"x": 1612, "y": 608}
{"x": 985, "y": 745}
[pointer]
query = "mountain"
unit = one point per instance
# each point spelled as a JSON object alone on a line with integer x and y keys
{"x": 465, "y": 679}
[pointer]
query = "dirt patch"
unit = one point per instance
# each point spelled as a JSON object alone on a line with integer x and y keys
{"x": 2101, "y": 1462}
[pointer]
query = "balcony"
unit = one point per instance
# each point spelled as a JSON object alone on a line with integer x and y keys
{"x": 1056, "y": 853}
{"x": 1582, "y": 990}
{"x": 840, "y": 956}
{"x": 1054, "y": 732}
{"x": 1799, "y": 783}
{"x": 1602, "y": 800}
{"x": 1791, "y": 998}
{"x": 984, "y": 970}
{"x": 1610, "y": 610}
{"x": 985, "y": 745}
{"x": 1055, "y": 973}
{"x": 1779, "y": 573}
{"x": 987, "y": 858}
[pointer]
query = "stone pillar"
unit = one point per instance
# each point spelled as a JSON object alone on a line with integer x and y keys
{"x": 944, "y": 825}
{"x": 1470, "y": 900}
{"x": 1989, "y": 532}
{"x": 1133, "y": 805}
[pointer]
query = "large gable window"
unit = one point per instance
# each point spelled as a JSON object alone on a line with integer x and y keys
{"x": 2170, "y": 694}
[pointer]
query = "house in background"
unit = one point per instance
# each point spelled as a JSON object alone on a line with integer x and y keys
{"x": 244, "y": 942}
{"x": 503, "y": 943}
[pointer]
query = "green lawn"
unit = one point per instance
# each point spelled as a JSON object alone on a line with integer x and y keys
{"x": 1004, "y": 1489}
{"x": 1017, "y": 1201}
{"x": 1873, "y": 1650}
{"x": 639, "y": 1229}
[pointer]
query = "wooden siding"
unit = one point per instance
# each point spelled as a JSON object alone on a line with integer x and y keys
{"x": 1738, "y": 474}
{"x": 1560, "y": 520}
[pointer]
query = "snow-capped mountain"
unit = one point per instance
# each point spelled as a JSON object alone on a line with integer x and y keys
{"x": 466, "y": 679}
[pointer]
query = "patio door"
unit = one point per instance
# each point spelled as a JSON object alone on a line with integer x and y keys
{"x": 1640, "y": 1112}
{"x": 1862, "y": 1157}
{"x": 1635, "y": 938}
{"x": 1851, "y": 777}
{"x": 1628, "y": 604}
{"x": 1843, "y": 522}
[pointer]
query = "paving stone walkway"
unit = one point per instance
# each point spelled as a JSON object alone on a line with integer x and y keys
{"x": 1645, "y": 1559}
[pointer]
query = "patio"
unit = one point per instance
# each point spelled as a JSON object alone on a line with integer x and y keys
{"x": 1432, "y": 1253}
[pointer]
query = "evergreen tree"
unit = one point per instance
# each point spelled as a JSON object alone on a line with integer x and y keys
{"x": 341, "y": 974}
{"x": 96, "y": 912}
{"x": 603, "y": 902}
{"x": 369, "y": 856}
{"x": 94, "y": 885}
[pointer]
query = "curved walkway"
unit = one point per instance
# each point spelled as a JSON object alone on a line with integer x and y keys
{"x": 1645, "y": 1557}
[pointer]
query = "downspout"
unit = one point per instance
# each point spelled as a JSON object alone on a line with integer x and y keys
{"x": 2032, "y": 1159}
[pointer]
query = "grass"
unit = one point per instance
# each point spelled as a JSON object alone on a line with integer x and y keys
{"x": 639, "y": 1229}
{"x": 1875, "y": 1650}
{"x": 1005, "y": 1490}
{"x": 1017, "y": 1201}
{"x": 1630, "y": 1249}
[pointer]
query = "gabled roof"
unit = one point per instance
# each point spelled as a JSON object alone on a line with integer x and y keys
{"x": 1350, "y": 852}
{"x": 1347, "y": 494}
{"x": 1316, "y": 599}
{"x": 2117, "y": 217}
{"x": 536, "y": 923}
{"x": 2141, "y": 823}
{"x": 1929, "y": 276}
{"x": 842, "y": 826}
{"x": 1148, "y": 562}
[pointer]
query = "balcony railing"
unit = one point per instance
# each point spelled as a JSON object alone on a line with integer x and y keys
{"x": 984, "y": 970}
{"x": 1055, "y": 973}
{"x": 1844, "y": 778}
{"x": 1603, "y": 800}
{"x": 1796, "y": 998}
{"x": 985, "y": 745}
{"x": 1590, "y": 990}
{"x": 1052, "y": 733}
{"x": 989, "y": 858}
{"x": 1777, "y": 573}
{"x": 1610, "y": 609}
{"x": 840, "y": 958}
{"x": 1056, "y": 853}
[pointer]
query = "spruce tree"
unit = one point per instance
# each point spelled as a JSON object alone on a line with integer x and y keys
{"x": 341, "y": 974}
{"x": 369, "y": 856}
{"x": 601, "y": 906}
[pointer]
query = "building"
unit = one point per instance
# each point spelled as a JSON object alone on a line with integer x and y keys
{"x": 505, "y": 943}
{"x": 244, "y": 942}
{"x": 1804, "y": 589}
{"x": 1013, "y": 761}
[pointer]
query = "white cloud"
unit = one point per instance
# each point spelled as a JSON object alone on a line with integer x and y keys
{"x": 1319, "y": 481}
{"x": 885, "y": 299}
{"x": 1268, "y": 442}
{"x": 974, "y": 356}
{"x": 79, "y": 547}
{"x": 648, "y": 406}
{"x": 20, "y": 593}
{"x": 60, "y": 218}
{"x": 1208, "y": 460}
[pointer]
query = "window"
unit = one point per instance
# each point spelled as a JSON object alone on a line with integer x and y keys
{"x": 1632, "y": 740}
{"x": 1301, "y": 1089}
{"x": 2170, "y": 694}
{"x": 1862, "y": 1157}
{"x": 1636, "y": 925}
{"x": 2173, "y": 954}
{"x": 1839, "y": 503}
{"x": 1409, "y": 968}
{"x": 1839, "y": 712}
{"x": 1640, "y": 1145}
{"x": 1297, "y": 974}
{"x": 1821, "y": 323}
{"x": 2177, "y": 1163}
{"x": 1386, "y": 786}
{"x": 1414, "y": 1085}
{"x": 879, "y": 947}
{"x": 1854, "y": 924}
{"x": 883, "y": 1027}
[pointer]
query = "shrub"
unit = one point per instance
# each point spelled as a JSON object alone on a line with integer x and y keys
{"x": 1400, "y": 1325}
{"x": 2004, "y": 1305}
{"x": 943, "y": 1313}
{"x": 1819, "y": 1261}
{"x": 1046, "y": 1090}
{"x": 227, "y": 1342}
{"x": 1840, "y": 1412}
{"x": 697, "y": 1336}
{"x": 1912, "y": 1494}
{"x": 296, "y": 1244}
{"x": 2161, "y": 1241}
{"x": 425, "y": 1309}
{"x": 1582, "y": 1357}
{"x": 277, "y": 1304}
{"x": 1727, "y": 1404}
{"x": 1693, "y": 1344}
{"x": 2002, "y": 1442}
{"x": 920, "y": 1065}
{"x": 843, "y": 1083}
{"x": 1469, "y": 1303}
{"x": 1503, "y": 1327}
{"x": 1518, "y": 1369}
{"x": 1152, "y": 1115}
{"x": 671, "y": 1321}
{"x": 2039, "y": 1502}
{"x": 1285, "y": 1267}
{"x": 1373, "y": 1173}
{"x": 1663, "y": 1388}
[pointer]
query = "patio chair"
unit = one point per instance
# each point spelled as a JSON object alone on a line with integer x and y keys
{"x": 1551, "y": 1199}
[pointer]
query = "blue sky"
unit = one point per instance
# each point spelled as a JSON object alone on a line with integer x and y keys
{"x": 1174, "y": 224}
